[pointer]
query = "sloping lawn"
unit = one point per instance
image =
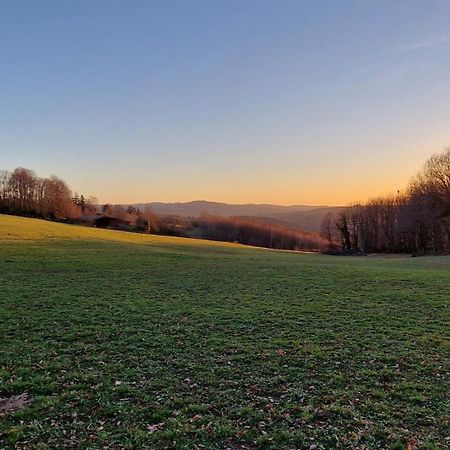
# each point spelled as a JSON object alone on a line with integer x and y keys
{"x": 118, "y": 340}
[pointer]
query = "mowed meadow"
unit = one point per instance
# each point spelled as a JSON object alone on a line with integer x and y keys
{"x": 121, "y": 340}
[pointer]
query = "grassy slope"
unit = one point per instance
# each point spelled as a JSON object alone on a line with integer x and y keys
{"x": 139, "y": 342}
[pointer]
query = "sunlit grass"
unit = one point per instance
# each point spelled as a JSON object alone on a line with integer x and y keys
{"x": 25, "y": 229}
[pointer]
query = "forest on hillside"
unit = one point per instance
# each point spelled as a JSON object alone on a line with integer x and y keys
{"x": 415, "y": 221}
{"x": 23, "y": 193}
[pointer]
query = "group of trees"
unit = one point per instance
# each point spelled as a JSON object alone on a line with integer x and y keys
{"x": 416, "y": 221}
{"x": 22, "y": 192}
{"x": 254, "y": 232}
{"x": 245, "y": 230}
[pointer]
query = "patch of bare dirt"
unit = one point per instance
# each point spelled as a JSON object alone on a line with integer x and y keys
{"x": 13, "y": 403}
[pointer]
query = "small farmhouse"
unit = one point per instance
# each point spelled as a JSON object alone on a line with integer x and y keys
{"x": 112, "y": 223}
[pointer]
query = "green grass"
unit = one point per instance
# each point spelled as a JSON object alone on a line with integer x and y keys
{"x": 133, "y": 341}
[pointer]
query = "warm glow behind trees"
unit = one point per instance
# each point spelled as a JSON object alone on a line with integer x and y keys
{"x": 416, "y": 221}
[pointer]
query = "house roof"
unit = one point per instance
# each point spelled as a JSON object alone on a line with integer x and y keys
{"x": 112, "y": 219}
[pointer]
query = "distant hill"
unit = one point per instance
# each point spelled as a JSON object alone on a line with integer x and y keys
{"x": 304, "y": 217}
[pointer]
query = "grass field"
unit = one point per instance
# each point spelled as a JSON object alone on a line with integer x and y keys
{"x": 122, "y": 340}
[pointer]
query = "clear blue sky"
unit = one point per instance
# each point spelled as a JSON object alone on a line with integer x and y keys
{"x": 312, "y": 102}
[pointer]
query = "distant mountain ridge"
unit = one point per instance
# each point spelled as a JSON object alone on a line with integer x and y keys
{"x": 304, "y": 217}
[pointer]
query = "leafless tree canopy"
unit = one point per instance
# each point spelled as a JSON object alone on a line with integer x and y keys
{"x": 254, "y": 232}
{"x": 416, "y": 221}
{"x": 22, "y": 192}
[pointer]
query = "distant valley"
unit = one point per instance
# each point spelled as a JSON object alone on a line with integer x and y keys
{"x": 303, "y": 217}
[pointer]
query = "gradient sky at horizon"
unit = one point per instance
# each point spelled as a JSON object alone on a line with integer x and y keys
{"x": 288, "y": 102}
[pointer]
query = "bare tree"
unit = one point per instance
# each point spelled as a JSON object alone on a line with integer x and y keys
{"x": 21, "y": 192}
{"x": 326, "y": 229}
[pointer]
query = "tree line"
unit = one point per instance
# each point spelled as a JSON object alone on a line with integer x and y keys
{"x": 243, "y": 230}
{"x": 255, "y": 232}
{"x": 415, "y": 221}
{"x": 23, "y": 193}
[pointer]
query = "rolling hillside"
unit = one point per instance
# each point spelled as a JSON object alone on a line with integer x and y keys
{"x": 303, "y": 217}
{"x": 119, "y": 340}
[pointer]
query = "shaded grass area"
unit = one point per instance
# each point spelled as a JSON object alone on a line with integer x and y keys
{"x": 132, "y": 341}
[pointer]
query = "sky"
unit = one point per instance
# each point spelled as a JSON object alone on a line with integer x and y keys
{"x": 288, "y": 102}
